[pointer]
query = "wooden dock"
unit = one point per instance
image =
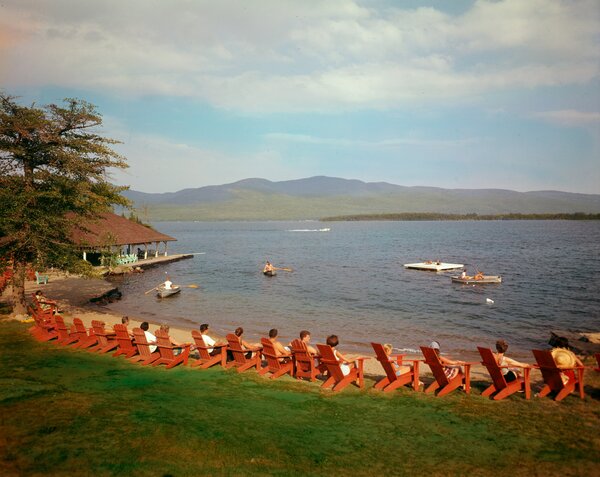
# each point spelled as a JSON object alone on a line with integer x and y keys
{"x": 148, "y": 263}
{"x": 433, "y": 266}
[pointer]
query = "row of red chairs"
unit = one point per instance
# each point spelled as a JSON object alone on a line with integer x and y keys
{"x": 300, "y": 363}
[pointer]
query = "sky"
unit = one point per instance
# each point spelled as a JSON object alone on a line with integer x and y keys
{"x": 453, "y": 94}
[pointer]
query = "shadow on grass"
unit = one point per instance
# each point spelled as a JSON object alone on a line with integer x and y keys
{"x": 71, "y": 412}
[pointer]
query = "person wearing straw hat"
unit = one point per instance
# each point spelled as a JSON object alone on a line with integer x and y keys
{"x": 565, "y": 359}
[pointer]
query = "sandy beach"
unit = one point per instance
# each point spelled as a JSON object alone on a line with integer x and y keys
{"x": 73, "y": 294}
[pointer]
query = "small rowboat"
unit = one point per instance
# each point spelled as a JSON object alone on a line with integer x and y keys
{"x": 477, "y": 281}
{"x": 270, "y": 273}
{"x": 163, "y": 292}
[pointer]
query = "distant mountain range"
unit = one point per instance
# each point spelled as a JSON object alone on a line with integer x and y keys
{"x": 316, "y": 197}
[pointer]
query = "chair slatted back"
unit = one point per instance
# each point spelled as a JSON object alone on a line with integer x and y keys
{"x": 61, "y": 328}
{"x": 384, "y": 359}
{"x": 268, "y": 352}
{"x": 99, "y": 328}
{"x": 437, "y": 368}
{"x": 123, "y": 338}
{"x": 489, "y": 361}
{"x": 201, "y": 345}
{"x": 165, "y": 347}
{"x": 141, "y": 342}
{"x": 329, "y": 360}
{"x": 550, "y": 372}
{"x": 235, "y": 346}
{"x": 305, "y": 363}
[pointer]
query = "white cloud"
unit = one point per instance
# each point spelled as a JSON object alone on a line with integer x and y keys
{"x": 384, "y": 143}
{"x": 570, "y": 117}
{"x": 298, "y": 56}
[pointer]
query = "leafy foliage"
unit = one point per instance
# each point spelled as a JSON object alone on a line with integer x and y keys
{"x": 53, "y": 172}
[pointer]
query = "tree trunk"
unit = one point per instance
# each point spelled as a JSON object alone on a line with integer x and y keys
{"x": 18, "y": 289}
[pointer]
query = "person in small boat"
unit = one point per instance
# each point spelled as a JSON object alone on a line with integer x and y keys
{"x": 510, "y": 374}
{"x": 268, "y": 268}
{"x": 463, "y": 275}
{"x": 478, "y": 275}
{"x": 345, "y": 365}
{"x": 150, "y": 338}
{"x": 451, "y": 367}
{"x": 280, "y": 350}
{"x": 168, "y": 284}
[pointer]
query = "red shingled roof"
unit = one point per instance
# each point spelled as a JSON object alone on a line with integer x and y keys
{"x": 112, "y": 229}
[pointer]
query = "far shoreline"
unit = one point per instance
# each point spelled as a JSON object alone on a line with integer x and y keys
{"x": 438, "y": 217}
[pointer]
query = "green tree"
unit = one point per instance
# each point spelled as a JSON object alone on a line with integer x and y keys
{"x": 53, "y": 172}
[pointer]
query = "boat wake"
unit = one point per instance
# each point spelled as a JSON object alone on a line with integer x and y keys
{"x": 310, "y": 230}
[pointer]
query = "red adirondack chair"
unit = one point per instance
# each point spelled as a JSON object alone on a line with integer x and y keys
{"x": 167, "y": 351}
{"x": 85, "y": 338}
{"x": 305, "y": 363}
{"x": 276, "y": 365}
{"x": 144, "y": 356}
{"x": 336, "y": 378}
{"x": 126, "y": 347}
{"x": 44, "y": 329}
{"x": 206, "y": 359}
{"x": 239, "y": 355}
{"x": 500, "y": 387}
{"x": 441, "y": 380}
{"x": 552, "y": 375}
{"x": 392, "y": 380}
{"x": 64, "y": 336}
{"x": 106, "y": 339}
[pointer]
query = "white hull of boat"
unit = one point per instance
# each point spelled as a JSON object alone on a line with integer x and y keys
{"x": 165, "y": 292}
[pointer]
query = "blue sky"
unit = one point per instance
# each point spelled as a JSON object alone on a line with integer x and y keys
{"x": 455, "y": 94}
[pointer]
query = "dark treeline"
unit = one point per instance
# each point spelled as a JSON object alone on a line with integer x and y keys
{"x": 437, "y": 216}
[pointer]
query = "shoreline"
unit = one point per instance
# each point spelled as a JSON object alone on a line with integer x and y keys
{"x": 73, "y": 294}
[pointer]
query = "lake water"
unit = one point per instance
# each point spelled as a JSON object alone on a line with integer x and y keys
{"x": 348, "y": 279}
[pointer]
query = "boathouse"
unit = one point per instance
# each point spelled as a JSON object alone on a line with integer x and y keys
{"x": 115, "y": 235}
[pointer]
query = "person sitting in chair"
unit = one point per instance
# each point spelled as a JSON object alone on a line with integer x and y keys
{"x": 150, "y": 338}
{"x": 280, "y": 350}
{"x": 510, "y": 374}
{"x": 451, "y": 367}
{"x": 345, "y": 365}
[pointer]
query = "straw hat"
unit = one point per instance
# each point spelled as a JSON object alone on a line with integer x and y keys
{"x": 564, "y": 358}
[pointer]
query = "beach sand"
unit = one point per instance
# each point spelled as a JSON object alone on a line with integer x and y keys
{"x": 73, "y": 294}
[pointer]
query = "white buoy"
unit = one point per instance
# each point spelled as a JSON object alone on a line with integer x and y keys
{"x": 489, "y": 301}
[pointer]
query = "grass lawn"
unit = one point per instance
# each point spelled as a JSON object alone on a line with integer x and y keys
{"x": 70, "y": 412}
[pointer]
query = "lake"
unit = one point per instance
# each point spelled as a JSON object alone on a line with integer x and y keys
{"x": 348, "y": 279}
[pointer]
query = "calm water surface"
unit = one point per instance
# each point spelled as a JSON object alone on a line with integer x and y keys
{"x": 349, "y": 280}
